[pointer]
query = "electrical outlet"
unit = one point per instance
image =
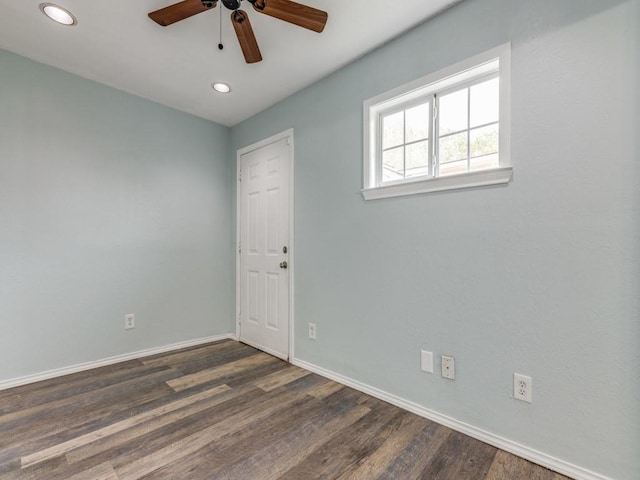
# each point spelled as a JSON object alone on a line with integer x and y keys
{"x": 312, "y": 331}
{"x": 426, "y": 361}
{"x": 522, "y": 388}
{"x": 448, "y": 367}
{"x": 129, "y": 321}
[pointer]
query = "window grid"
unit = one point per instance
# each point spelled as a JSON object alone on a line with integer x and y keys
{"x": 469, "y": 129}
{"x": 402, "y": 145}
{"x": 429, "y": 138}
{"x": 435, "y": 113}
{"x": 433, "y": 160}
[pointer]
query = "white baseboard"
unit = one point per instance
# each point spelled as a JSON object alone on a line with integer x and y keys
{"x": 540, "y": 458}
{"x": 59, "y": 372}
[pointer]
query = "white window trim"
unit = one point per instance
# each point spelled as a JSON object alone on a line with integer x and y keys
{"x": 447, "y": 77}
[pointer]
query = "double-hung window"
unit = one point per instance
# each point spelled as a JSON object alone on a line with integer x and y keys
{"x": 445, "y": 131}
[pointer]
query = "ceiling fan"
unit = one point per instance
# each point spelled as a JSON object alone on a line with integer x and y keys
{"x": 292, "y": 12}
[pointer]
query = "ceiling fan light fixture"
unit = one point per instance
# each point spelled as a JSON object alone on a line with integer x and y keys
{"x": 58, "y": 14}
{"x": 221, "y": 87}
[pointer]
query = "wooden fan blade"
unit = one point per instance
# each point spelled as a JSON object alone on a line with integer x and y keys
{"x": 179, "y": 11}
{"x": 246, "y": 37}
{"x": 292, "y": 12}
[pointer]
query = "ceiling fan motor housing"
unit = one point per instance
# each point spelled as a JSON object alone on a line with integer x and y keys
{"x": 231, "y": 4}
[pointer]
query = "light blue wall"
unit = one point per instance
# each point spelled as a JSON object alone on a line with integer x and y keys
{"x": 541, "y": 277}
{"x": 109, "y": 204}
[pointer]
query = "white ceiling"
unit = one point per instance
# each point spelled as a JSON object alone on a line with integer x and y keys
{"x": 116, "y": 44}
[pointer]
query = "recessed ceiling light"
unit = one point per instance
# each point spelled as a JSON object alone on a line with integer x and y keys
{"x": 221, "y": 87}
{"x": 58, "y": 14}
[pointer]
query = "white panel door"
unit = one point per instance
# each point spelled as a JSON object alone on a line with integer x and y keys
{"x": 264, "y": 248}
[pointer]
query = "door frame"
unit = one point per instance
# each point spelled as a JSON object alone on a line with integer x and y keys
{"x": 287, "y": 134}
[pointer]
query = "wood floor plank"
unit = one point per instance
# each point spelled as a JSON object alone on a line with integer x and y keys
{"x": 506, "y": 467}
{"x": 418, "y": 454}
{"x": 405, "y": 430}
{"x": 65, "y": 447}
{"x": 61, "y": 425}
{"x": 280, "y": 378}
{"x": 104, "y": 471}
{"x": 344, "y": 451}
{"x": 68, "y": 386}
{"x": 210, "y": 374}
{"x": 270, "y": 462}
{"x": 104, "y": 444}
{"x": 328, "y": 389}
{"x": 445, "y": 459}
{"x": 249, "y": 375}
{"x": 193, "y": 353}
{"x": 203, "y": 358}
{"x": 86, "y": 400}
{"x": 10, "y": 470}
{"x": 558, "y": 476}
{"x": 130, "y": 445}
{"x": 202, "y": 438}
{"x": 206, "y": 462}
{"x": 473, "y": 460}
{"x": 234, "y": 449}
{"x": 45, "y": 470}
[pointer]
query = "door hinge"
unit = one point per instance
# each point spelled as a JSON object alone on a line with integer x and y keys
{"x": 240, "y": 175}
{"x": 239, "y": 248}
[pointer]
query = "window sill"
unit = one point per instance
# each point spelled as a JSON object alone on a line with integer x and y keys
{"x": 495, "y": 176}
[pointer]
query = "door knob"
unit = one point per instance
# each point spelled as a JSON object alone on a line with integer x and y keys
{"x": 283, "y": 265}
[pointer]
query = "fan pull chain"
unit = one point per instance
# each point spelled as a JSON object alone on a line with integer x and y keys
{"x": 220, "y": 45}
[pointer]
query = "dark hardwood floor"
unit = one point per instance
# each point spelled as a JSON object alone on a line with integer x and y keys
{"x": 228, "y": 411}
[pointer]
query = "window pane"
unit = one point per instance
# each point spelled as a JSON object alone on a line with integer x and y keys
{"x": 393, "y": 130}
{"x": 417, "y": 159}
{"x": 393, "y": 164}
{"x": 453, "y": 147}
{"x": 453, "y": 168}
{"x": 417, "y": 120}
{"x": 484, "y": 162}
{"x": 485, "y": 102}
{"x": 453, "y": 111}
{"x": 484, "y": 140}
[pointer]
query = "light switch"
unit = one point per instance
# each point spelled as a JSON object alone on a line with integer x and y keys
{"x": 426, "y": 361}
